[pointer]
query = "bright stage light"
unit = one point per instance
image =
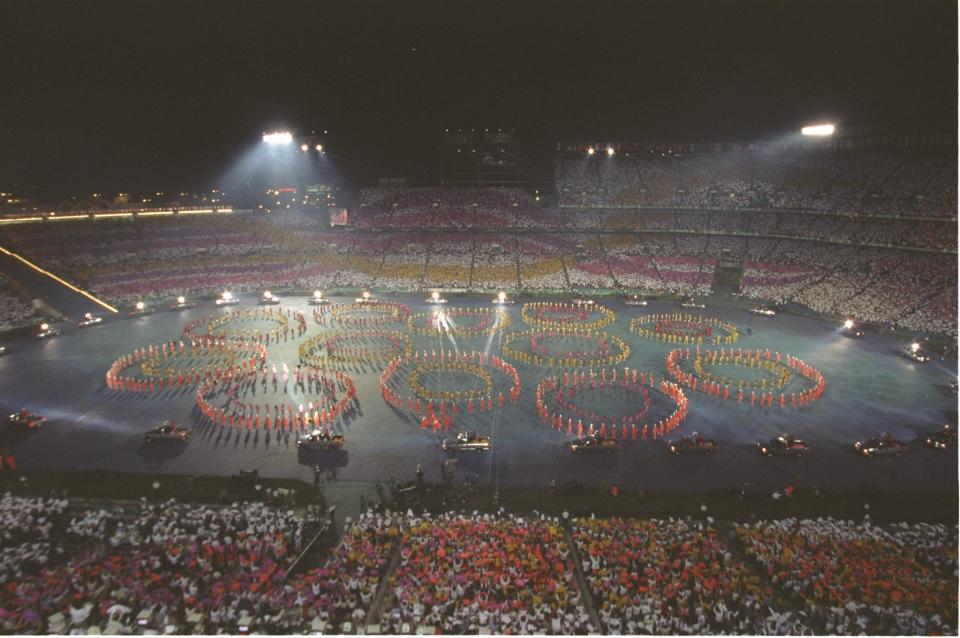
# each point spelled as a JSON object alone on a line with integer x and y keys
{"x": 435, "y": 295}
{"x": 141, "y": 305}
{"x": 226, "y": 295}
{"x": 914, "y": 346}
{"x": 818, "y": 130}
{"x": 279, "y": 138}
{"x": 319, "y": 148}
{"x": 590, "y": 151}
{"x": 365, "y": 295}
{"x": 501, "y": 296}
{"x": 87, "y": 315}
{"x": 181, "y": 300}
{"x": 848, "y": 324}
{"x": 267, "y": 294}
{"x": 317, "y": 294}
{"x": 44, "y": 326}
{"x": 610, "y": 152}
{"x": 304, "y": 148}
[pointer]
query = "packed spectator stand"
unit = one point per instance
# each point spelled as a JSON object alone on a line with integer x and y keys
{"x": 461, "y": 573}
{"x": 906, "y": 183}
{"x": 15, "y": 311}
{"x": 165, "y": 566}
{"x": 870, "y": 235}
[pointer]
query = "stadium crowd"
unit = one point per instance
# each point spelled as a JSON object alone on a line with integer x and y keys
{"x": 673, "y": 577}
{"x": 338, "y": 595}
{"x": 919, "y": 183}
{"x": 174, "y": 567}
{"x": 169, "y": 564}
{"x": 852, "y": 578}
{"x": 466, "y": 573}
{"x": 827, "y": 237}
{"x": 14, "y": 311}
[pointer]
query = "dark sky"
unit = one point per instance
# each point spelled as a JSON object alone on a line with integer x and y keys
{"x": 133, "y": 94}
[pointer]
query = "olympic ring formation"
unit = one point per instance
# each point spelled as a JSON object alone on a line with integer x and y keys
{"x": 445, "y": 321}
{"x": 335, "y": 390}
{"x": 374, "y": 346}
{"x": 551, "y": 315}
{"x": 476, "y": 364}
{"x": 427, "y": 367}
{"x": 779, "y": 368}
{"x": 605, "y": 349}
{"x": 361, "y": 314}
{"x": 232, "y": 357}
{"x": 215, "y": 324}
{"x": 685, "y": 329}
{"x": 565, "y": 403}
{"x": 779, "y": 374}
{"x": 556, "y": 407}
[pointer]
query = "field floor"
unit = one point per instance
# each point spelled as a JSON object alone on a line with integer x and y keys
{"x": 869, "y": 389}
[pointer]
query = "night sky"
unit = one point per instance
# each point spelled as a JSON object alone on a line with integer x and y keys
{"x": 131, "y": 95}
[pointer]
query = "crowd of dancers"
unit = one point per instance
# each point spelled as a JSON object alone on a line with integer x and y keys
{"x": 334, "y": 391}
{"x": 356, "y": 347}
{"x": 553, "y": 315}
{"x": 228, "y": 358}
{"x": 774, "y": 362}
{"x": 556, "y": 408}
{"x": 436, "y": 409}
{"x": 215, "y": 325}
{"x": 680, "y": 328}
{"x": 540, "y": 354}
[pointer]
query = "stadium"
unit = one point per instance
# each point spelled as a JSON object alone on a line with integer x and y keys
{"x": 621, "y": 387}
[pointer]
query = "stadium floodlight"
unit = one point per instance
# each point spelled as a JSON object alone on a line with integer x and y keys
{"x": 304, "y": 148}
{"x": 818, "y": 130}
{"x": 590, "y": 151}
{"x": 848, "y": 324}
{"x": 278, "y": 138}
{"x": 610, "y": 151}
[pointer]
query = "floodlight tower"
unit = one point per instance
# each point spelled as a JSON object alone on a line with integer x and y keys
{"x": 292, "y": 171}
{"x": 278, "y": 138}
{"x": 818, "y": 130}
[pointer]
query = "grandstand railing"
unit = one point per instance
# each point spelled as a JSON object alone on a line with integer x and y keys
{"x": 128, "y": 213}
{"x": 795, "y": 211}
